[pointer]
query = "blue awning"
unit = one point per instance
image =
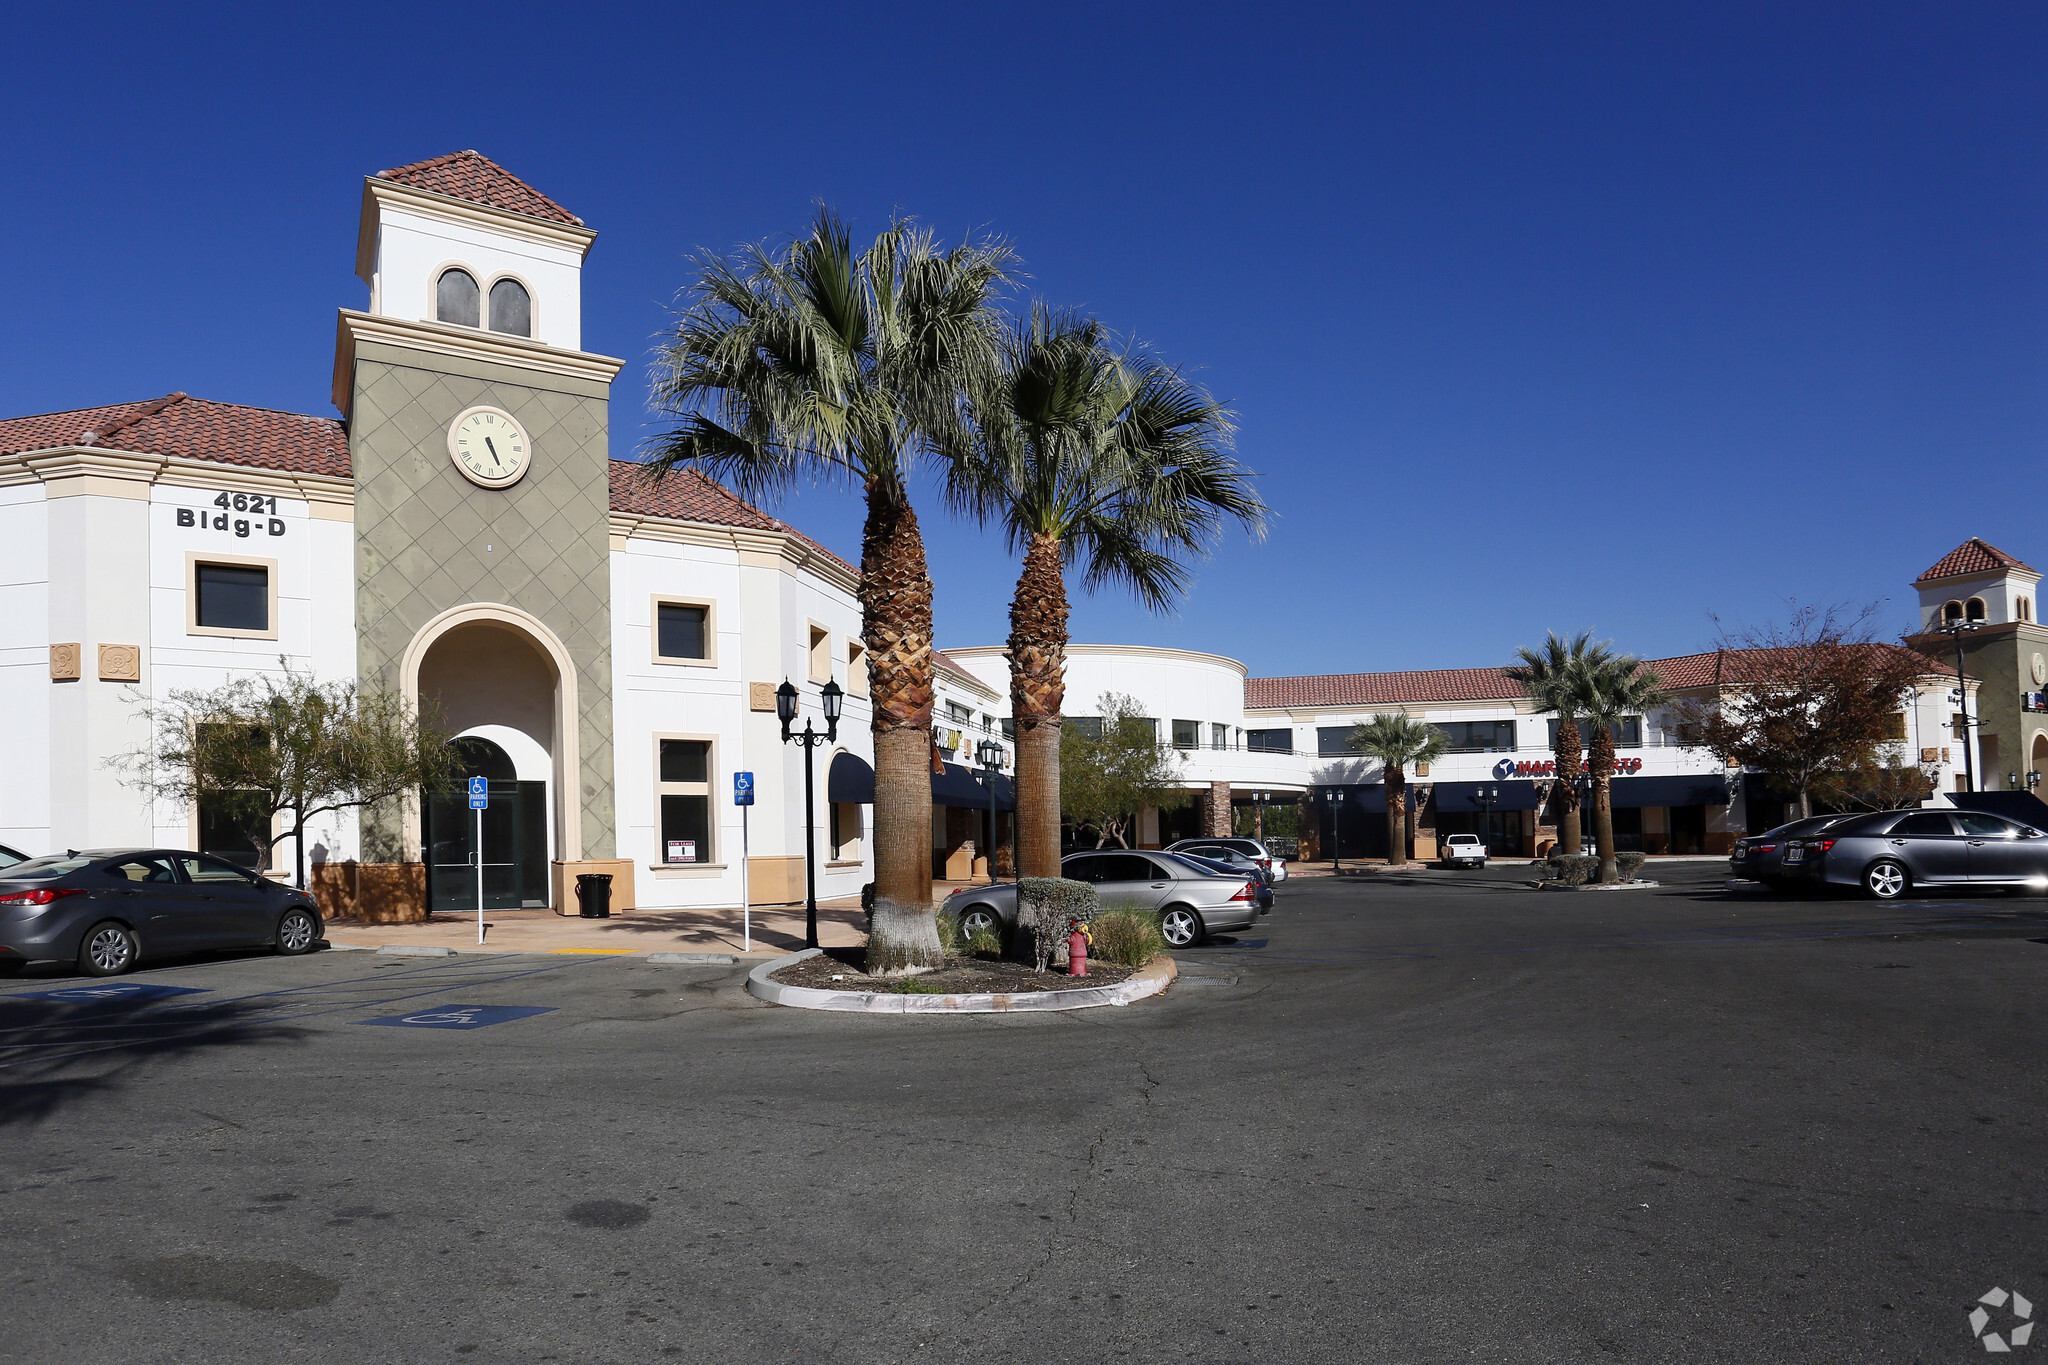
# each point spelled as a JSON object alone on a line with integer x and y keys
{"x": 1457, "y": 796}
{"x": 1690, "y": 789}
{"x": 850, "y": 779}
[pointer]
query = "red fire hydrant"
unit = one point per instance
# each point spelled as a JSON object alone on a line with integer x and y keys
{"x": 1077, "y": 951}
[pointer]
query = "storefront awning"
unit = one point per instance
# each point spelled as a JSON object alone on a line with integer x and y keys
{"x": 850, "y": 780}
{"x": 1372, "y": 800}
{"x": 1457, "y": 796}
{"x": 957, "y": 787}
{"x": 1691, "y": 789}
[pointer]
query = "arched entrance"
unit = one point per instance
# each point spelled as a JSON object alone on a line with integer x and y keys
{"x": 2039, "y": 759}
{"x": 502, "y": 681}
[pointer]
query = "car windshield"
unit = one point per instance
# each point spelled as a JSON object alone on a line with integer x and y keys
{"x": 52, "y": 866}
{"x": 8, "y": 857}
{"x": 1189, "y": 860}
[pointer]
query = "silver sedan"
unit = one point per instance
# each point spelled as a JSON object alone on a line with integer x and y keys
{"x": 1192, "y": 901}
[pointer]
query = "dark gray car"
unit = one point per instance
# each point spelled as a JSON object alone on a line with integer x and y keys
{"x": 108, "y": 909}
{"x": 1888, "y": 855}
{"x": 1761, "y": 857}
{"x": 1192, "y": 901}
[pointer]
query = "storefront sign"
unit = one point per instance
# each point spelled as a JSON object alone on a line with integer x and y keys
{"x": 682, "y": 850}
{"x": 1508, "y": 768}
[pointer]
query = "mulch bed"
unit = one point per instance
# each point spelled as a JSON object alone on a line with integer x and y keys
{"x": 960, "y": 976}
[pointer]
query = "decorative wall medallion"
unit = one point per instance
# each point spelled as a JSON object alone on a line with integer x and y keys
{"x": 489, "y": 446}
{"x": 120, "y": 663}
{"x": 64, "y": 663}
{"x": 2040, "y": 668}
{"x": 760, "y": 696}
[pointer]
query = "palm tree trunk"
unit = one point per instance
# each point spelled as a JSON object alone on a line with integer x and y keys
{"x": 1397, "y": 789}
{"x": 1601, "y": 761}
{"x": 1566, "y": 752}
{"x": 1038, "y": 691}
{"x": 896, "y": 624}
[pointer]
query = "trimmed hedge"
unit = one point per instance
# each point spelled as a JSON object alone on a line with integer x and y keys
{"x": 1048, "y": 908}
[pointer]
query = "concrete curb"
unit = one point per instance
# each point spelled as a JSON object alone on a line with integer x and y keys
{"x": 727, "y": 959}
{"x": 1150, "y": 979}
{"x": 1595, "y": 886}
{"x": 413, "y": 950}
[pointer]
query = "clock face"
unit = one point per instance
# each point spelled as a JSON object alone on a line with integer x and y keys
{"x": 489, "y": 447}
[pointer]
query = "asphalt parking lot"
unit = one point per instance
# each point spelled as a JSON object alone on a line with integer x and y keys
{"x": 1432, "y": 1117}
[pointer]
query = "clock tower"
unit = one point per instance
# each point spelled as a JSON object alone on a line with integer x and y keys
{"x": 477, "y": 439}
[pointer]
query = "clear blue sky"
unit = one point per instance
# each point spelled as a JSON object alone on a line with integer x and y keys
{"x": 1533, "y": 316}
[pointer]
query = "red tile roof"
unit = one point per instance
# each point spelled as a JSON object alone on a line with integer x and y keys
{"x": 1973, "y": 556}
{"x": 1492, "y": 684}
{"x": 687, "y": 494}
{"x": 1382, "y": 689}
{"x": 194, "y": 428}
{"x": 473, "y": 176}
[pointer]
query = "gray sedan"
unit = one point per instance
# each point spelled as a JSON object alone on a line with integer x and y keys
{"x": 1192, "y": 901}
{"x": 107, "y": 909}
{"x": 1888, "y": 855}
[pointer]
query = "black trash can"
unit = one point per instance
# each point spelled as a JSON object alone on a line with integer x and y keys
{"x": 594, "y": 895}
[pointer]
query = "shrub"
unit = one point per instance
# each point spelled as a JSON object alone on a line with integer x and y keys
{"x": 949, "y": 935}
{"x": 1129, "y": 938}
{"x": 1048, "y": 908}
{"x": 1573, "y": 869}
{"x": 912, "y": 985}
{"x": 1630, "y": 864}
{"x": 985, "y": 943}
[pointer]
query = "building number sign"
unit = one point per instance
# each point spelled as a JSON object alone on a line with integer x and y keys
{"x": 263, "y": 520}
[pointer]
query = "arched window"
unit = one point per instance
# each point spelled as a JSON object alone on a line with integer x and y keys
{"x": 455, "y": 298}
{"x": 2023, "y": 608}
{"x": 511, "y": 310}
{"x": 1974, "y": 609}
{"x": 1952, "y": 612}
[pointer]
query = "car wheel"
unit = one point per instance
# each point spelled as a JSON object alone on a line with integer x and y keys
{"x": 1181, "y": 927}
{"x": 109, "y": 949}
{"x": 976, "y": 918}
{"x": 1887, "y": 880}
{"x": 296, "y": 933}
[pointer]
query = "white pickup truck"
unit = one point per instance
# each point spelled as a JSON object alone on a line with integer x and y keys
{"x": 1464, "y": 850}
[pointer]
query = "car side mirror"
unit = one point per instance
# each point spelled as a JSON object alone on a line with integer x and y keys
{"x": 2031, "y": 833}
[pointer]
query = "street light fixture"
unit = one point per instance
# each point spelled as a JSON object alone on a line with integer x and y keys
{"x": 832, "y": 699}
{"x": 1336, "y": 797}
{"x": 1955, "y": 630}
{"x": 991, "y": 755}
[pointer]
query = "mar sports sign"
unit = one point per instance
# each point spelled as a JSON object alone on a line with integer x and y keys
{"x": 1508, "y": 768}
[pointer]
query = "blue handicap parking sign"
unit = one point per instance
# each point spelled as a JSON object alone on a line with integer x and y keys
{"x": 479, "y": 793}
{"x": 461, "y": 1016}
{"x": 116, "y": 990}
{"x": 743, "y": 789}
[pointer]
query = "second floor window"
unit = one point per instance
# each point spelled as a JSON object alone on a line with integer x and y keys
{"x": 511, "y": 310}
{"x": 1187, "y": 734}
{"x": 1479, "y": 736}
{"x": 456, "y": 299}
{"x": 232, "y": 596}
{"x": 1269, "y": 741}
{"x": 1628, "y": 735}
{"x": 681, "y": 631}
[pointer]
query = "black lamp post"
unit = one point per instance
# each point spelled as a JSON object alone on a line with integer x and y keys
{"x": 1484, "y": 798}
{"x": 785, "y": 710}
{"x": 1259, "y": 800}
{"x": 1956, "y": 630}
{"x": 1336, "y": 795}
{"x": 991, "y": 755}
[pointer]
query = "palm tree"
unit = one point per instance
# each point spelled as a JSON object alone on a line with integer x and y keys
{"x": 1397, "y": 740}
{"x": 1615, "y": 686}
{"x": 1110, "y": 461}
{"x": 1551, "y": 677}
{"x": 816, "y": 362}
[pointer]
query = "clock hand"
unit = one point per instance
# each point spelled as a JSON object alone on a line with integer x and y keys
{"x": 494, "y": 453}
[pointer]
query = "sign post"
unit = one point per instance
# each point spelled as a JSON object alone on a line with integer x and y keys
{"x": 743, "y": 797}
{"x": 479, "y": 800}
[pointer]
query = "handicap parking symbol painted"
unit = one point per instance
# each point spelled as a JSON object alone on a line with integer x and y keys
{"x": 461, "y": 1016}
{"x": 114, "y": 990}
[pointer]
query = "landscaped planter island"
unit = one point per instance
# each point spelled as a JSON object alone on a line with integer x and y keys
{"x": 982, "y": 987}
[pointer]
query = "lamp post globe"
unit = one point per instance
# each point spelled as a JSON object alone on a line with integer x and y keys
{"x": 785, "y": 705}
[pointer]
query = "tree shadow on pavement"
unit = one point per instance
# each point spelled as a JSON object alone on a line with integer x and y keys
{"x": 55, "y": 1053}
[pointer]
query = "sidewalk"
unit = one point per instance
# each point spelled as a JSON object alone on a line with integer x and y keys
{"x": 778, "y": 929}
